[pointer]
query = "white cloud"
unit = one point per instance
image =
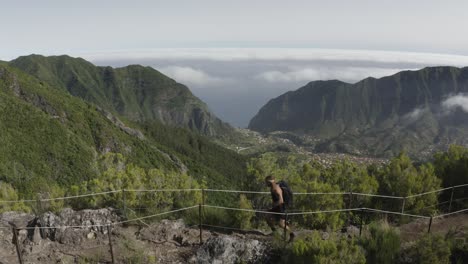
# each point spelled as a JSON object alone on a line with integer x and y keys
{"x": 456, "y": 101}
{"x": 415, "y": 114}
{"x": 295, "y": 54}
{"x": 350, "y": 74}
{"x": 190, "y": 75}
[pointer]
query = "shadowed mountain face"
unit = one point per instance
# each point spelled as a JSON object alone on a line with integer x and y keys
{"x": 412, "y": 110}
{"x": 135, "y": 92}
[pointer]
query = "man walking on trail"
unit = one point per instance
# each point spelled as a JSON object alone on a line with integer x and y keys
{"x": 279, "y": 206}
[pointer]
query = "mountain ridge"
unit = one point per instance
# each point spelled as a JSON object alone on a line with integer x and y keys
{"x": 373, "y": 112}
{"x": 135, "y": 92}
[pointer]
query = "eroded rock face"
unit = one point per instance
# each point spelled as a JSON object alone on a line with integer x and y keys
{"x": 8, "y": 220}
{"x": 230, "y": 249}
{"x": 172, "y": 231}
{"x": 90, "y": 219}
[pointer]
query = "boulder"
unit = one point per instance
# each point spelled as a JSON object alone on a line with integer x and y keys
{"x": 230, "y": 249}
{"x": 84, "y": 224}
{"x": 7, "y": 221}
{"x": 173, "y": 231}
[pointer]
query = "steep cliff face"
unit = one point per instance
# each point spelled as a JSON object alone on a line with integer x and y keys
{"x": 409, "y": 110}
{"x": 138, "y": 93}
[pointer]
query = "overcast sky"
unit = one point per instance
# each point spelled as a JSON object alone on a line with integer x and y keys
{"x": 235, "y": 55}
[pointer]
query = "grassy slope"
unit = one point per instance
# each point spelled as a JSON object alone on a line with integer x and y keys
{"x": 50, "y": 136}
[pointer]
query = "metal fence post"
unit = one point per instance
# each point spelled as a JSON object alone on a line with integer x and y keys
{"x": 430, "y": 224}
{"x": 403, "y": 205}
{"x": 203, "y": 196}
{"x": 124, "y": 204}
{"x": 15, "y": 239}
{"x": 451, "y": 199}
{"x": 200, "y": 223}
{"x": 285, "y": 226}
{"x": 110, "y": 243}
{"x": 362, "y": 220}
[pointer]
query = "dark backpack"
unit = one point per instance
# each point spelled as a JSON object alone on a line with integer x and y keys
{"x": 287, "y": 193}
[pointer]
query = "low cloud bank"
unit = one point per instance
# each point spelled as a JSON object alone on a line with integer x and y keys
{"x": 415, "y": 114}
{"x": 190, "y": 75}
{"x": 281, "y": 54}
{"x": 459, "y": 101}
{"x": 350, "y": 74}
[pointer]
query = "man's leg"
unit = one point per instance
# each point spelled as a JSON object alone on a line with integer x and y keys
{"x": 271, "y": 222}
{"x": 282, "y": 224}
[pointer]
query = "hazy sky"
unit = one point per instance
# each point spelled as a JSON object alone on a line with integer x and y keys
{"x": 236, "y": 55}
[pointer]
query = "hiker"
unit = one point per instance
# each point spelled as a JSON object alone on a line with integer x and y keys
{"x": 279, "y": 194}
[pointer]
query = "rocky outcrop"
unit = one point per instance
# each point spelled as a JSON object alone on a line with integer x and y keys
{"x": 171, "y": 231}
{"x": 84, "y": 224}
{"x": 166, "y": 241}
{"x": 8, "y": 221}
{"x": 230, "y": 249}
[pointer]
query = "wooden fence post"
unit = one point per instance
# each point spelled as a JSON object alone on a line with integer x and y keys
{"x": 109, "y": 235}
{"x": 362, "y": 220}
{"x": 403, "y": 205}
{"x": 200, "y": 223}
{"x": 451, "y": 199}
{"x": 285, "y": 226}
{"x": 18, "y": 250}
{"x": 430, "y": 224}
{"x": 124, "y": 204}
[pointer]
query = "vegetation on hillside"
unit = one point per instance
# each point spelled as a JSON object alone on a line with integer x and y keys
{"x": 134, "y": 92}
{"x": 52, "y": 142}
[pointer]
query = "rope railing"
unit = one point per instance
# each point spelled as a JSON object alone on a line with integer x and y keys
{"x": 378, "y": 195}
{"x": 452, "y": 213}
{"x": 229, "y": 191}
{"x": 62, "y": 198}
{"x": 162, "y": 190}
{"x": 315, "y": 212}
{"x": 242, "y": 209}
{"x": 239, "y": 209}
{"x": 394, "y": 213}
{"x": 107, "y": 224}
{"x": 232, "y": 228}
{"x": 234, "y": 191}
{"x": 429, "y": 192}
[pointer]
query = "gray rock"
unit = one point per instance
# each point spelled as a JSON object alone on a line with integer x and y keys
{"x": 17, "y": 219}
{"x": 229, "y": 249}
{"x": 173, "y": 231}
{"x": 7, "y": 221}
{"x": 82, "y": 224}
{"x": 352, "y": 231}
{"x": 37, "y": 236}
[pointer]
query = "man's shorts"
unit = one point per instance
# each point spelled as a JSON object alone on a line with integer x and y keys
{"x": 278, "y": 209}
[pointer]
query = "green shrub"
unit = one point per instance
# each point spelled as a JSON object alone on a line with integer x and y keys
{"x": 314, "y": 249}
{"x": 382, "y": 245}
{"x": 8, "y": 193}
{"x": 430, "y": 249}
{"x": 243, "y": 218}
